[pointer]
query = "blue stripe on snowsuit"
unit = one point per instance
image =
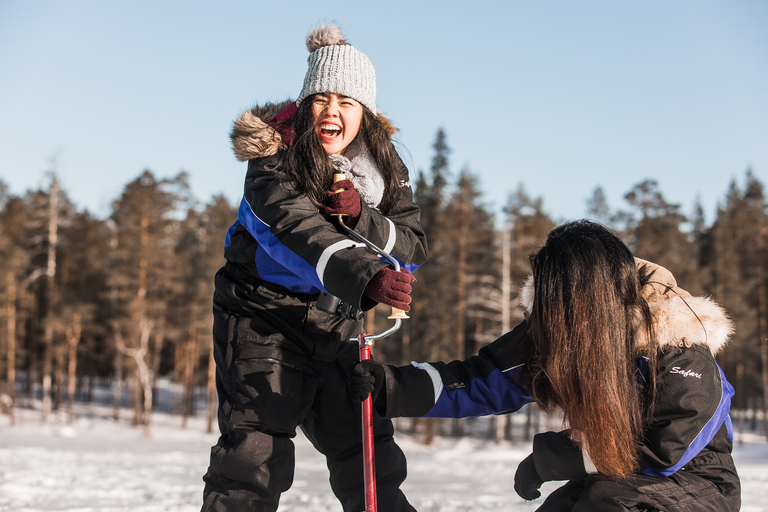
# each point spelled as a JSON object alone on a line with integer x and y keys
{"x": 278, "y": 264}
{"x": 293, "y": 273}
{"x": 707, "y": 433}
{"x": 230, "y": 232}
{"x": 495, "y": 393}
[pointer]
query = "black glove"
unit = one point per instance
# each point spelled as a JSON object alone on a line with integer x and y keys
{"x": 557, "y": 457}
{"x": 527, "y": 479}
{"x": 368, "y": 377}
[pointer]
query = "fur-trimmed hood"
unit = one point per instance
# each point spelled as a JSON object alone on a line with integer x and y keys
{"x": 254, "y": 133}
{"x": 678, "y": 317}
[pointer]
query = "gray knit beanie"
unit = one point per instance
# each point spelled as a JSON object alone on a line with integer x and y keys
{"x": 336, "y": 67}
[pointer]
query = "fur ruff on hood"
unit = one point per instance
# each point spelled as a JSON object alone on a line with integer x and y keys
{"x": 678, "y": 318}
{"x": 253, "y": 136}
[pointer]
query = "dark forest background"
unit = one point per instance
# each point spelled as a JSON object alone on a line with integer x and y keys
{"x": 123, "y": 301}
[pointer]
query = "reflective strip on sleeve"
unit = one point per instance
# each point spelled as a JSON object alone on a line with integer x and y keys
{"x": 437, "y": 381}
{"x": 392, "y": 236}
{"x": 330, "y": 251}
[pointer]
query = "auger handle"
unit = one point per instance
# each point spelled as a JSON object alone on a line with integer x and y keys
{"x": 396, "y": 313}
{"x": 369, "y": 460}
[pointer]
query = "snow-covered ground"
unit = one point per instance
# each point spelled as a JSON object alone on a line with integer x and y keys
{"x": 98, "y": 464}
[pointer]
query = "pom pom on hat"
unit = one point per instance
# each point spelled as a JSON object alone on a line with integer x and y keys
{"x": 334, "y": 66}
{"x": 325, "y": 35}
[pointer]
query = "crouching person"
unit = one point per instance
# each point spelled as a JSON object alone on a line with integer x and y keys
{"x": 625, "y": 355}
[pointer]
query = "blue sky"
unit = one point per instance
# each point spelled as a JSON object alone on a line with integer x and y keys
{"x": 558, "y": 96}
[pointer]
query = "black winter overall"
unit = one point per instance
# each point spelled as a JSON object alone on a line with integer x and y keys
{"x": 270, "y": 345}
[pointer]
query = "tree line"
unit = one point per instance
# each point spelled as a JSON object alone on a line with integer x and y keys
{"x": 122, "y": 301}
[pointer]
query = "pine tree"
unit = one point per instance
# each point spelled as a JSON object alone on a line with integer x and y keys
{"x": 477, "y": 271}
{"x": 46, "y": 212}
{"x": 598, "y": 209}
{"x": 199, "y": 254}
{"x": 472, "y": 243}
{"x": 145, "y": 275}
{"x": 83, "y": 246}
{"x": 432, "y": 309}
{"x": 658, "y": 234}
{"x": 527, "y": 226}
{"x": 14, "y": 260}
{"x": 736, "y": 262}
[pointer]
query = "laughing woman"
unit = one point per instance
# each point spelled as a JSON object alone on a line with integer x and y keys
{"x": 282, "y": 361}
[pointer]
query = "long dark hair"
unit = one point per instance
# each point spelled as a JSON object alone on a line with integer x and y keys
{"x": 586, "y": 311}
{"x": 307, "y": 165}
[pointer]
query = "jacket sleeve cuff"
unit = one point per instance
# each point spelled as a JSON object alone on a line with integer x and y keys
{"x": 557, "y": 457}
{"x": 408, "y": 393}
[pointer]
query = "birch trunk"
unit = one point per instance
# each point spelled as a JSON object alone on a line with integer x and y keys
{"x": 53, "y": 221}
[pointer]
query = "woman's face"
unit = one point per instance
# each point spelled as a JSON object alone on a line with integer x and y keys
{"x": 337, "y": 120}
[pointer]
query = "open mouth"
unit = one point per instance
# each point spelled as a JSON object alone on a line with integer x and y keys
{"x": 329, "y": 131}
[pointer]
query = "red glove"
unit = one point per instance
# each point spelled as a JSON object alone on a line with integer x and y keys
{"x": 342, "y": 198}
{"x": 391, "y": 287}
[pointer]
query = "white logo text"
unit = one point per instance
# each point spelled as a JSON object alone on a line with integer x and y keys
{"x": 685, "y": 373}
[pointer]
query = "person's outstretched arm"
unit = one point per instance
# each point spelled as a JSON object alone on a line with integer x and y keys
{"x": 491, "y": 382}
